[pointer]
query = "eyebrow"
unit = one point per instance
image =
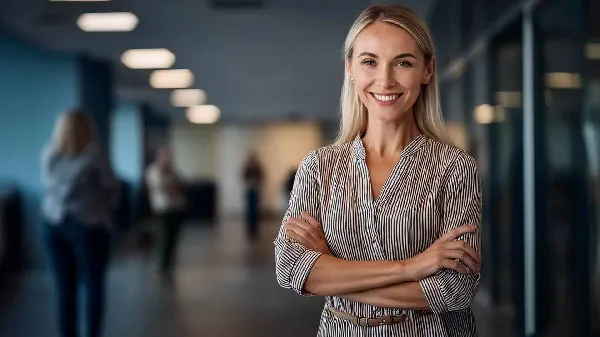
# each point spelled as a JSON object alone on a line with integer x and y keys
{"x": 396, "y": 57}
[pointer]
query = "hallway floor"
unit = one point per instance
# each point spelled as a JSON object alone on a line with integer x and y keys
{"x": 223, "y": 287}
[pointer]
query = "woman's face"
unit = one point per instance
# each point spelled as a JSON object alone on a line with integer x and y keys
{"x": 388, "y": 70}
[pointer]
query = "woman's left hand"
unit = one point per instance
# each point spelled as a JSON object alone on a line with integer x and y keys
{"x": 307, "y": 232}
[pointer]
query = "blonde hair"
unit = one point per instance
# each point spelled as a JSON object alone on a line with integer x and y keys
{"x": 426, "y": 109}
{"x": 73, "y": 132}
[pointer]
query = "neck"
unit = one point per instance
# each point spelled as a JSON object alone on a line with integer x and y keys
{"x": 388, "y": 139}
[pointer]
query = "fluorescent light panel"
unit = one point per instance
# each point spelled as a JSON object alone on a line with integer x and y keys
{"x": 107, "y": 22}
{"x": 203, "y": 114}
{"x": 171, "y": 79}
{"x": 187, "y": 97}
{"x": 148, "y": 58}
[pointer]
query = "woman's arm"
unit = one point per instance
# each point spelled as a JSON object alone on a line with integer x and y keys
{"x": 407, "y": 295}
{"x": 306, "y": 270}
{"x": 447, "y": 290}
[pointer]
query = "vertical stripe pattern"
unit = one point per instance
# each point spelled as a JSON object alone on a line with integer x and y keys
{"x": 432, "y": 189}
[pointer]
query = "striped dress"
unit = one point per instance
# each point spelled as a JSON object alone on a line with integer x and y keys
{"x": 432, "y": 189}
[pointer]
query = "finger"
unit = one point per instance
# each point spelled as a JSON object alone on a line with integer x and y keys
{"x": 314, "y": 232}
{"x": 299, "y": 239}
{"x": 464, "y": 258}
{"x": 302, "y": 228}
{"x": 462, "y": 245}
{"x": 456, "y": 232}
{"x": 455, "y": 265}
{"x": 311, "y": 220}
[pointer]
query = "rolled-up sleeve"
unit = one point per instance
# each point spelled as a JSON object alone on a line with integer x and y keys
{"x": 448, "y": 290}
{"x": 294, "y": 261}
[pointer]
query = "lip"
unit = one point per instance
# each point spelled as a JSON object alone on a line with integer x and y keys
{"x": 386, "y": 103}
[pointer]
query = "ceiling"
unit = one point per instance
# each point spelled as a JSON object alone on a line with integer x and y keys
{"x": 278, "y": 61}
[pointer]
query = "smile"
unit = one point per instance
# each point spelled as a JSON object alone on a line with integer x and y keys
{"x": 386, "y": 99}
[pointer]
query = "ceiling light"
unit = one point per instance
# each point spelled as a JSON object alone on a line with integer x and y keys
{"x": 148, "y": 58}
{"x": 187, "y": 97}
{"x": 484, "y": 114}
{"x": 203, "y": 114}
{"x": 171, "y": 78}
{"x": 563, "y": 80}
{"x": 107, "y": 22}
{"x": 592, "y": 51}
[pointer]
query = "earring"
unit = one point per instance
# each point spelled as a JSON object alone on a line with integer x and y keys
{"x": 352, "y": 79}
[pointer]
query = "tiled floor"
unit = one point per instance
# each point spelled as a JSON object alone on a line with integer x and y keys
{"x": 223, "y": 287}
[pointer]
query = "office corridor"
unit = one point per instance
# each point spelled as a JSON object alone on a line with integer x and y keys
{"x": 223, "y": 287}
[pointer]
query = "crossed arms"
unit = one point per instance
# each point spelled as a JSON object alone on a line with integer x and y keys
{"x": 432, "y": 280}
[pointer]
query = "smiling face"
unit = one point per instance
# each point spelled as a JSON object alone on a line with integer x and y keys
{"x": 388, "y": 70}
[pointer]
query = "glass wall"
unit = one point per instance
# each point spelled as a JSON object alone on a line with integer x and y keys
{"x": 489, "y": 88}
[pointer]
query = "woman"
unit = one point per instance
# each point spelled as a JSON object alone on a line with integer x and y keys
{"x": 168, "y": 202}
{"x": 384, "y": 222}
{"x": 81, "y": 193}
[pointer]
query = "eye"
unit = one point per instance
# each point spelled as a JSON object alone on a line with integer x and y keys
{"x": 368, "y": 62}
{"x": 404, "y": 64}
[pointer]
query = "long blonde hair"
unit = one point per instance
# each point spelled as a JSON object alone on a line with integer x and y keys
{"x": 73, "y": 132}
{"x": 427, "y": 107}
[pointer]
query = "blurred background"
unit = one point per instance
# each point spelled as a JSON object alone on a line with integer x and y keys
{"x": 217, "y": 82}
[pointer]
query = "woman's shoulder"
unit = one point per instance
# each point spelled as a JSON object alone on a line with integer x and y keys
{"x": 450, "y": 153}
{"x": 328, "y": 155}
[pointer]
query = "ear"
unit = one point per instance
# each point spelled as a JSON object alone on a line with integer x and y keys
{"x": 347, "y": 66}
{"x": 429, "y": 70}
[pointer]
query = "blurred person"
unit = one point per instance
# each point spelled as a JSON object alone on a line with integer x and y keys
{"x": 289, "y": 186}
{"x": 81, "y": 193}
{"x": 253, "y": 179}
{"x": 384, "y": 223}
{"x": 167, "y": 200}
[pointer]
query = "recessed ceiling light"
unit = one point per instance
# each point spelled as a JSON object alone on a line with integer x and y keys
{"x": 171, "y": 79}
{"x": 148, "y": 58}
{"x": 484, "y": 114}
{"x": 203, "y": 114}
{"x": 107, "y": 22}
{"x": 187, "y": 97}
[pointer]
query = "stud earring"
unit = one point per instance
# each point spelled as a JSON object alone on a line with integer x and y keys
{"x": 352, "y": 79}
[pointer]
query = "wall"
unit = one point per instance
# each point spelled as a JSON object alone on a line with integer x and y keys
{"x": 219, "y": 152}
{"x": 126, "y": 152}
{"x": 36, "y": 86}
{"x": 195, "y": 150}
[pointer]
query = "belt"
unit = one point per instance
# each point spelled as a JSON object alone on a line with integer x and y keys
{"x": 366, "y": 322}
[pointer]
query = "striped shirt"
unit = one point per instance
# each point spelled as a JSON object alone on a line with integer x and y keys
{"x": 432, "y": 189}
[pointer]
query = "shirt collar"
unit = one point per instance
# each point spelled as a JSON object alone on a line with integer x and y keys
{"x": 359, "y": 153}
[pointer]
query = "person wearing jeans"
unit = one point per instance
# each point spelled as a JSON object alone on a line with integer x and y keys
{"x": 81, "y": 192}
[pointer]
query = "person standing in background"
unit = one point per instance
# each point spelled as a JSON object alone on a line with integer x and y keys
{"x": 81, "y": 193}
{"x": 253, "y": 178}
{"x": 167, "y": 200}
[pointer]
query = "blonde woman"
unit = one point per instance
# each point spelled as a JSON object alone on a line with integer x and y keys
{"x": 384, "y": 223}
{"x": 81, "y": 193}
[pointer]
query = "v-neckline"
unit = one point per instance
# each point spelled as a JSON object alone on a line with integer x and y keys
{"x": 410, "y": 148}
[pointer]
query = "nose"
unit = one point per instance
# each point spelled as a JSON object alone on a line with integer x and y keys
{"x": 385, "y": 78}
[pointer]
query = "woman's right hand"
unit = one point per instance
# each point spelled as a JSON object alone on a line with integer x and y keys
{"x": 445, "y": 253}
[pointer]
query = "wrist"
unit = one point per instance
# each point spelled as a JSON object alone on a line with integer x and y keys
{"x": 406, "y": 270}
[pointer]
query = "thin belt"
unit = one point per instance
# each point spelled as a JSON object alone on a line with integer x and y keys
{"x": 365, "y": 322}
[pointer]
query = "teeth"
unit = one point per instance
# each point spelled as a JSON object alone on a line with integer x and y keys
{"x": 385, "y": 97}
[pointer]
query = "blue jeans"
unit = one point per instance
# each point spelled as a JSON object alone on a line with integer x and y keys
{"x": 79, "y": 252}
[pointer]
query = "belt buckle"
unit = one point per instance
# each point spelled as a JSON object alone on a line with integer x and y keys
{"x": 383, "y": 320}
